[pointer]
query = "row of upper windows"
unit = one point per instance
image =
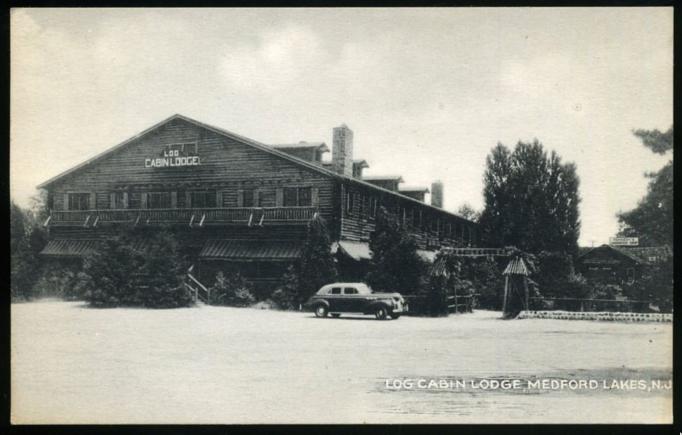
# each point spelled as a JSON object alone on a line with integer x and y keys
{"x": 286, "y": 197}
{"x": 366, "y": 206}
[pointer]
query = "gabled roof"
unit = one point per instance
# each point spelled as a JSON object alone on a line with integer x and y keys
{"x": 313, "y": 166}
{"x": 516, "y": 267}
{"x": 621, "y": 252}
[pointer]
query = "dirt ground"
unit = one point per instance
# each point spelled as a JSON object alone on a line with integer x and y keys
{"x": 74, "y": 364}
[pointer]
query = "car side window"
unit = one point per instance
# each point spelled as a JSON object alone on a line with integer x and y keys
{"x": 336, "y": 290}
{"x": 350, "y": 291}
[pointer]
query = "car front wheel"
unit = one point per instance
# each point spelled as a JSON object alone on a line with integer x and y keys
{"x": 321, "y": 311}
{"x": 380, "y": 313}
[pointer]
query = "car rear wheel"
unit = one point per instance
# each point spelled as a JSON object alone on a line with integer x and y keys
{"x": 380, "y": 313}
{"x": 321, "y": 311}
{"x": 335, "y": 315}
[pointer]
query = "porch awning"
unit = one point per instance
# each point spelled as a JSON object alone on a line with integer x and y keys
{"x": 250, "y": 250}
{"x": 69, "y": 247}
{"x": 81, "y": 247}
{"x": 356, "y": 250}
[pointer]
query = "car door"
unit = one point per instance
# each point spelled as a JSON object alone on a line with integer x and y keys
{"x": 352, "y": 301}
{"x": 334, "y": 299}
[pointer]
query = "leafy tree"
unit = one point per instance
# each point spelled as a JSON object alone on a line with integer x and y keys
{"x": 468, "y": 212}
{"x": 652, "y": 219}
{"x": 531, "y": 200}
{"x": 27, "y": 239}
{"x": 317, "y": 266}
{"x": 659, "y": 143}
{"x": 395, "y": 264}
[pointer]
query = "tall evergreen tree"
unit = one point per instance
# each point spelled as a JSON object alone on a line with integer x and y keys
{"x": 317, "y": 266}
{"x": 395, "y": 264}
{"x": 652, "y": 219}
{"x": 531, "y": 200}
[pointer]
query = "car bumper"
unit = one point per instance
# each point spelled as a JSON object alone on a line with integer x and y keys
{"x": 401, "y": 308}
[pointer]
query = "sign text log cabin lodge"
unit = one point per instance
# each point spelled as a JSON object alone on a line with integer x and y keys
{"x": 245, "y": 203}
{"x": 174, "y": 155}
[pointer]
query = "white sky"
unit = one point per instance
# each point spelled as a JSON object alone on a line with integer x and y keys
{"x": 427, "y": 92}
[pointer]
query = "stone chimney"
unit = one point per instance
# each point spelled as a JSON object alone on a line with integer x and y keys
{"x": 342, "y": 150}
{"x": 437, "y": 194}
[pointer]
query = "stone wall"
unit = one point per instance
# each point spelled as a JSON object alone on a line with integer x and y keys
{"x": 599, "y": 316}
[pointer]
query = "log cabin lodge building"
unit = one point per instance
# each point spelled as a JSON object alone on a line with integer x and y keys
{"x": 245, "y": 204}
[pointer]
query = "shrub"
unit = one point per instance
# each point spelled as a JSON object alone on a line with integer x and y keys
{"x": 231, "y": 290}
{"x": 111, "y": 274}
{"x": 62, "y": 281}
{"x": 121, "y": 273}
{"x": 486, "y": 280}
{"x": 434, "y": 297}
{"x": 555, "y": 274}
{"x": 286, "y": 296}
{"x": 52, "y": 282}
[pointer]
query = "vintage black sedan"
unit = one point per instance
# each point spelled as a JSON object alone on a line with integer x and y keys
{"x": 356, "y": 297}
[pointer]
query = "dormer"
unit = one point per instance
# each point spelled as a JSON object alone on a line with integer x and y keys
{"x": 309, "y": 151}
{"x": 389, "y": 182}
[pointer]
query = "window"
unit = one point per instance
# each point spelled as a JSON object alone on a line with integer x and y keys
{"x": 248, "y": 199}
{"x": 298, "y": 196}
{"x": 290, "y": 196}
{"x": 117, "y": 200}
{"x": 349, "y": 203}
{"x": 79, "y": 201}
{"x": 158, "y": 200}
{"x": 135, "y": 200}
{"x": 203, "y": 198}
{"x": 305, "y": 198}
{"x": 350, "y": 291}
{"x": 336, "y": 290}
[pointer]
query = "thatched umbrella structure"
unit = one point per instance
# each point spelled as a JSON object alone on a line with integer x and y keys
{"x": 515, "y": 288}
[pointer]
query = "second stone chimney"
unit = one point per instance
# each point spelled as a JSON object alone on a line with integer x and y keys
{"x": 437, "y": 194}
{"x": 342, "y": 150}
